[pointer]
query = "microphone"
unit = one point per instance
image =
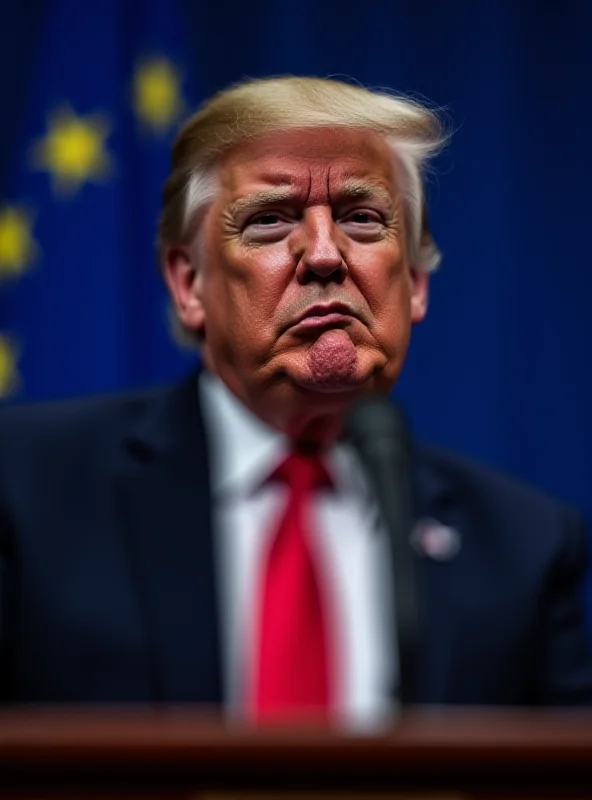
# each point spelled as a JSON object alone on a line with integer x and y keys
{"x": 376, "y": 429}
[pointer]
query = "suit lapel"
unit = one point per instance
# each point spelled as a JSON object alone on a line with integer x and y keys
{"x": 165, "y": 496}
{"x": 164, "y": 490}
{"x": 441, "y": 586}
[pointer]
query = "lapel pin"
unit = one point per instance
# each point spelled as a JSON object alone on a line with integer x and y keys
{"x": 433, "y": 539}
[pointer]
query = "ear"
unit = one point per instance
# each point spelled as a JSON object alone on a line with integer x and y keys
{"x": 184, "y": 281}
{"x": 419, "y": 295}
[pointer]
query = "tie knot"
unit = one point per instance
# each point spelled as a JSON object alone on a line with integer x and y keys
{"x": 302, "y": 472}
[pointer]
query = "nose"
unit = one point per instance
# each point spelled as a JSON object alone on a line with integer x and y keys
{"x": 318, "y": 252}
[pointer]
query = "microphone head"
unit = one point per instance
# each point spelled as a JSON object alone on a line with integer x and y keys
{"x": 376, "y": 422}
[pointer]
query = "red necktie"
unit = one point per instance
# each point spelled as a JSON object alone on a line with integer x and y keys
{"x": 292, "y": 670}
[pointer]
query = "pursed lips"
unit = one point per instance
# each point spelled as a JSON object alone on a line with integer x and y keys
{"x": 324, "y": 314}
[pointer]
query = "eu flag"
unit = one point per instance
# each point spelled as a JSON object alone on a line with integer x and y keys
{"x": 82, "y": 306}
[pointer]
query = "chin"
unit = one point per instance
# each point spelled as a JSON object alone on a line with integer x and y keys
{"x": 335, "y": 389}
{"x": 358, "y": 376}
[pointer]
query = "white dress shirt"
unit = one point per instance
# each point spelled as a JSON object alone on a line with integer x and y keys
{"x": 350, "y": 547}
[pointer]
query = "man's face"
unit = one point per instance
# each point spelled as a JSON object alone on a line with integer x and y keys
{"x": 299, "y": 276}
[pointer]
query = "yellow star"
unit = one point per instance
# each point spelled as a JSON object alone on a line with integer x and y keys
{"x": 73, "y": 150}
{"x": 157, "y": 96}
{"x": 9, "y": 377}
{"x": 17, "y": 246}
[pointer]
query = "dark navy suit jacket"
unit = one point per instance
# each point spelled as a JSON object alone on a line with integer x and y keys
{"x": 108, "y": 590}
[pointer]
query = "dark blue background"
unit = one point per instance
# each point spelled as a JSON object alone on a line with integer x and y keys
{"x": 501, "y": 369}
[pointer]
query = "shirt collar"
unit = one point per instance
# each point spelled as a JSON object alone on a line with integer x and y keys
{"x": 245, "y": 450}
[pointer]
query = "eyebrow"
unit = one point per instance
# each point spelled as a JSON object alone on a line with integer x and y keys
{"x": 267, "y": 197}
{"x": 352, "y": 189}
{"x": 359, "y": 189}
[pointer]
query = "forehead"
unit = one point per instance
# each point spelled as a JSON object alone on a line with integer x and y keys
{"x": 308, "y": 159}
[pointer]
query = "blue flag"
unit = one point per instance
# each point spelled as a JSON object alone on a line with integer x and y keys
{"x": 82, "y": 305}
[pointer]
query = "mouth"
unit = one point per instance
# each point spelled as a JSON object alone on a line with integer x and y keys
{"x": 323, "y": 315}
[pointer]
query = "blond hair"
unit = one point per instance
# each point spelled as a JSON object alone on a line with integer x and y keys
{"x": 252, "y": 108}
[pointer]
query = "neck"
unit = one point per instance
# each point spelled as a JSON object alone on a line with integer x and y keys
{"x": 309, "y": 419}
{"x": 318, "y": 431}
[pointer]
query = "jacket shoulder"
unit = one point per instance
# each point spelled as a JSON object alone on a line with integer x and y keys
{"x": 492, "y": 488}
{"x": 39, "y": 426}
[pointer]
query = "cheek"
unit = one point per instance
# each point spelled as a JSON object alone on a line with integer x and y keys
{"x": 394, "y": 319}
{"x": 386, "y": 285}
{"x": 246, "y": 288}
{"x": 382, "y": 276}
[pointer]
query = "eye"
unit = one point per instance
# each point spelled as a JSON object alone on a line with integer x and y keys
{"x": 266, "y": 218}
{"x": 364, "y": 217}
{"x": 267, "y": 227}
{"x": 363, "y": 224}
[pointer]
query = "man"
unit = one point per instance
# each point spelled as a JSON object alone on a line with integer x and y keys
{"x": 217, "y": 543}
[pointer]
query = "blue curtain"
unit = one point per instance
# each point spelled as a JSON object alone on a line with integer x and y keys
{"x": 501, "y": 369}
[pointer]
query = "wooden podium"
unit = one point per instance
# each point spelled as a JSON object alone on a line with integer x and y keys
{"x": 435, "y": 755}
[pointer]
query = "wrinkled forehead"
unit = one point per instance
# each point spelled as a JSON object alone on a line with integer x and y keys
{"x": 322, "y": 159}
